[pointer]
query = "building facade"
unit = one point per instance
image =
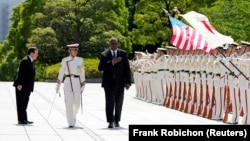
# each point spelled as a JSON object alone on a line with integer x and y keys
{"x": 5, "y": 14}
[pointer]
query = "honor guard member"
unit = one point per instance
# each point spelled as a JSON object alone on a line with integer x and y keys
{"x": 210, "y": 83}
{"x": 140, "y": 63}
{"x": 197, "y": 66}
{"x": 161, "y": 75}
{"x": 191, "y": 81}
{"x": 171, "y": 65}
{"x": 177, "y": 79}
{"x": 244, "y": 83}
{"x": 169, "y": 75}
{"x": 72, "y": 67}
{"x": 232, "y": 82}
{"x": 154, "y": 81}
{"x": 219, "y": 97}
{"x": 187, "y": 81}
{"x": 205, "y": 96}
{"x": 168, "y": 55}
{"x": 135, "y": 66}
{"x": 182, "y": 83}
{"x": 147, "y": 78}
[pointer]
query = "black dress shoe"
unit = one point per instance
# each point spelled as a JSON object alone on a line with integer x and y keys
{"x": 29, "y": 122}
{"x": 117, "y": 124}
{"x": 111, "y": 125}
{"x": 22, "y": 122}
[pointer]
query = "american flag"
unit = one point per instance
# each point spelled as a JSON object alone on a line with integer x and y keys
{"x": 187, "y": 38}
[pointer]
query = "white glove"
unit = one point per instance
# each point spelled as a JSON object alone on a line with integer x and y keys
{"x": 229, "y": 59}
{"x": 218, "y": 59}
{"x": 82, "y": 88}
{"x": 57, "y": 88}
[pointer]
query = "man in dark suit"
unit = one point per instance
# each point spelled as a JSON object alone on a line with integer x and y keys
{"x": 116, "y": 75}
{"x": 24, "y": 84}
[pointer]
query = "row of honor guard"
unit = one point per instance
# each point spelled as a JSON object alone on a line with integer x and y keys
{"x": 212, "y": 85}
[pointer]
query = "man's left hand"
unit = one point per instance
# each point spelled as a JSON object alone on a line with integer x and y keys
{"x": 127, "y": 86}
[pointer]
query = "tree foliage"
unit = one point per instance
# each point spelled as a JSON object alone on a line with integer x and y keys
{"x": 138, "y": 24}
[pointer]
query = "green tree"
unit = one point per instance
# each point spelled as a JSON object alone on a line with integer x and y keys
{"x": 45, "y": 40}
{"x": 230, "y": 17}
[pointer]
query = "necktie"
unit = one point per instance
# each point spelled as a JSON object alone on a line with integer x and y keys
{"x": 113, "y": 54}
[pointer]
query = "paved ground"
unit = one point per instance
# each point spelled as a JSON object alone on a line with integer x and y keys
{"x": 91, "y": 124}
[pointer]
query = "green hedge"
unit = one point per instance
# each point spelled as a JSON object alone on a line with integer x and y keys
{"x": 90, "y": 65}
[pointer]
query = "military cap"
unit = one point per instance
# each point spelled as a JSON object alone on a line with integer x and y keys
{"x": 139, "y": 52}
{"x": 171, "y": 47}
{"x": 245, "y": 43}
{"x": 235, "y": 44}
{"x": 76, "y": 45}
{"x": 161, "y": 49}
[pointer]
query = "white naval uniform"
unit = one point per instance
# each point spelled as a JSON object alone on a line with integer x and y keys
{"x": 219, "y": 97}
{"x": 233, "y": 90}
{"x": 210, "y": 82}
{"x": 182, "y": 74}
{"x": 161, "y": 79}
{"x": 197, "y": 81}
{"x": 74, "y": 84}
{"x": 192, "y": 85}
{"x": 205, "y": 97}
{"x": 167, "y": 94}
{"x": 244, "y": 84}
{"x": 187, "y": 82}
{"x": 171, "y": 65}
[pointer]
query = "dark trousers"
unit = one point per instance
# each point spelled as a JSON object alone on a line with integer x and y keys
{"x": 22, "y": 100}
{"x": 114, "y": 96}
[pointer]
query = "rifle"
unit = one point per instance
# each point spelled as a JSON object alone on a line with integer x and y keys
{"x": 166, "y": 96}
{"x": 210, "y": 113}
{"x": 170, "y": 94}
{"x": 201, "y": 102}
{"x": 183, "y": 97}
{"x": 206, "y": 103}
{"x": 241, "y": 112}
{"x": 188, "y": 98}
{"x": 178, "y": 97}
{"x": 174, "y": 97}
{"x": 194, "y": 101}
{"x": 228, "y": 105}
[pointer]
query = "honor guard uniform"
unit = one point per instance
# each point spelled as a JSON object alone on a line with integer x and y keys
{"x": 169, "y": 76}
{"x": 167, "y": 86}
{"x": 233, "y": 85}
{"x": 172, "y": 70}
{"x": 161, "y": 75}
{"x": 182, "y": 78}
{"x": 192, "y": 83}
{"x": 205, "y": 95}
{"x": 177, "y": 70}
{"x": 187, "y": 82}
{"x": 210, "y": 83}
{"x": 72, "y": 67}
{"x": 154, "y": 81}
{"x": 140, "y": 63}
{"x": 244, "y": 83}
{"x": 135, "y": 65}
{"x": 219, "y": 98}
{"x": 147, "y": 78}
{"x": 197, "y": 66}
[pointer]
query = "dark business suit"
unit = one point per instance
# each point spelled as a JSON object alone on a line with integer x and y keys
{"x": 25, "y": 77}
{"x": 113, "y": 81}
